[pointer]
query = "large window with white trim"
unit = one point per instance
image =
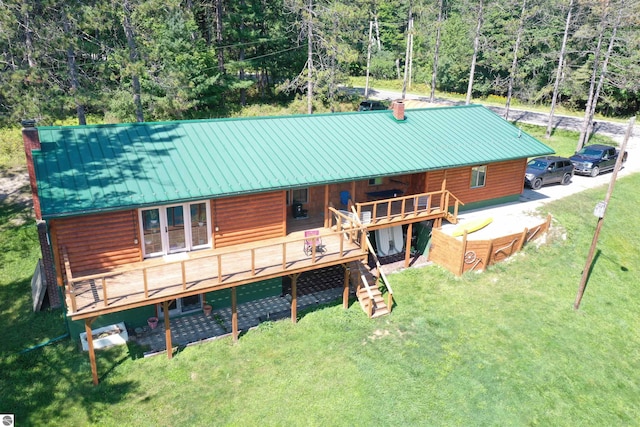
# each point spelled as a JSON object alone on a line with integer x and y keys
{"x": 175, "y": 228}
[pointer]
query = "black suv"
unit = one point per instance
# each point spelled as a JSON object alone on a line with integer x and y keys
{"x": 548, "y": 170}
{"x": 371, "y": 105}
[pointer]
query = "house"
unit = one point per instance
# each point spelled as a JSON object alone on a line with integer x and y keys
{"x": 152, "y": 219}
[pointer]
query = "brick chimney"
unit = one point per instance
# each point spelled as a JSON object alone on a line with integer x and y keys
{"x": 398, "y": 110}
{"x": 31, "y": 141}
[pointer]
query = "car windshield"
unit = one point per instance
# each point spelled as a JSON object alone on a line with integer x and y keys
{"x": 587, "y": 152}
{"x": 537, "y": 164}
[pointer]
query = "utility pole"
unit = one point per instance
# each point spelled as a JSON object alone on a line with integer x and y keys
{"x": 366, "y": 86}
{"x": 603, "y": 210}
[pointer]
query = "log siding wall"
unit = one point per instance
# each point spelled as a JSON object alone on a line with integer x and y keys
{"x": 97, "y": 242}
{"x": 502, "y": 179}
{"x": 245, "y": 219}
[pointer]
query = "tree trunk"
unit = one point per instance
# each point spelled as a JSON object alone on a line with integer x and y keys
{"x": 73, "y": 70}
{"x": 375, "y": 18}
{"x": 603, "y": 74}
{"x": 366, "y": 85}
{"x": 243, "y": 91}
{"x": 133, "y": 57}
{"x": 407, "y": 56}
{"x": 436, "y": 53}
{"x": 476, "y": 44}
{"x": 514, "y": 64}
{"x": 219, "y": 38}
{"x": 310, "y": 59}
{"x": 556, "y": 85}
{"x": 28, "y": 40}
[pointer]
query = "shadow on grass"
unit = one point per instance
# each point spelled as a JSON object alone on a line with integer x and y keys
{"x": 54, "y": 381}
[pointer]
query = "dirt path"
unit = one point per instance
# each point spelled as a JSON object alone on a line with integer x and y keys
{"x": 14, "y": 187}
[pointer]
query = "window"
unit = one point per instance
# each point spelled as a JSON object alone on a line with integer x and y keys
{"x": 375, "y": 181}
{"x": 300, "y": 195}
{"x": 478, "y": 176}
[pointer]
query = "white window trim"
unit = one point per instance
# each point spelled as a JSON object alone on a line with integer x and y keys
{"x": 484, "y": 176}
{"x": 189, "y": 246}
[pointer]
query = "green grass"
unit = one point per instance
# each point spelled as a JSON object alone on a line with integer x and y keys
{"x": 503, "y": 347}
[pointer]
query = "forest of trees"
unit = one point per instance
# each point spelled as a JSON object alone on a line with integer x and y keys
{"x": 148, "y": 60}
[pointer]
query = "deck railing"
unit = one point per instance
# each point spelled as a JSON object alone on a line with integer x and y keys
{"x": 403, "y": 207}
{"x": 224, "y": 274}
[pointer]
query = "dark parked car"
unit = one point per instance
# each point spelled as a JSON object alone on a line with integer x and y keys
{"x": 548, "y": 170}
{"x": 596, "y": 158}
{"x": 371, "y": 105}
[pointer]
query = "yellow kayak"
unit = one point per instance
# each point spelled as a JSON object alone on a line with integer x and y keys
{"x": 471, "y": 226}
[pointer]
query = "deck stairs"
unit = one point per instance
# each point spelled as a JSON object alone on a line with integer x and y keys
{"x": 368, "y": 293}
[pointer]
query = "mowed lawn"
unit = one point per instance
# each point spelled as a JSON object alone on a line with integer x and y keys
{"x": 504, "y": 347}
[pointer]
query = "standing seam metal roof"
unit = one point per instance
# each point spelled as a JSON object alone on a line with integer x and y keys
{"x": 83, "y": 169}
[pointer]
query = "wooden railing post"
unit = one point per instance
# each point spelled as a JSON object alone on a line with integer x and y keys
{"x": 284, "y": 255}
{"x": 253, "y": 262}
{"x": 70, "y": 283}
{"x": 145, "y": 282}
{"x": 184, "y": 275}
{"x": 104, "y": 291}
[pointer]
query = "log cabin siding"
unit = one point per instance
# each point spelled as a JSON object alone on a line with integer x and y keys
{"x": 245, "y": 219}
{"x": 97, "y": 242}
{"x": 502, "y": 179}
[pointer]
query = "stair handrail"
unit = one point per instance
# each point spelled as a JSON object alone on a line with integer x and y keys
{"x": 363, "y": 280}
{"x": 383, "y": 276}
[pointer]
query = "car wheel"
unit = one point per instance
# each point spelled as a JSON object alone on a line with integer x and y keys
{"x": 566, "y": 179}
{"x": 536, "y": 184}
{"x": 595, "y": 171}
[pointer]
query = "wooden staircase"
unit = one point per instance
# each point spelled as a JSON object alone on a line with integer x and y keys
{"x": 368, "y": 293}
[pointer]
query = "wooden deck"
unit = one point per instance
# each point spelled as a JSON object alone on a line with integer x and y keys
{"x": 408, "y": 209}
{"x": 160, "y": 279}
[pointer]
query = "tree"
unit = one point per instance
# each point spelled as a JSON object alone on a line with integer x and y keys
{"x": 476, "y": 44}
{"x": 559, "y": 70}
{"x": 514, "y": 64}
{"x": 436, "y": 51}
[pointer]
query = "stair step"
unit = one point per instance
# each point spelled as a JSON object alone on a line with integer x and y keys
{"x": 380, "y": 312}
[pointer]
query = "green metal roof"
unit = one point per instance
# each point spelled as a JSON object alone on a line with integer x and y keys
{"x": 82, "y": 169}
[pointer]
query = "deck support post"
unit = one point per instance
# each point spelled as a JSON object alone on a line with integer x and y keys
{"x": 167, "y": 329}
{"x": 345, "y": 290}
{"x": 407, "y": 251}
{"x": 294, "y": 297}
{"x": 234, "y": 314}
{"x": 92, "y": 351}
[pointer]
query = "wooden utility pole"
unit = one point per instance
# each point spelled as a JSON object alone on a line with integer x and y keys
{"x": 592, "y": 249}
